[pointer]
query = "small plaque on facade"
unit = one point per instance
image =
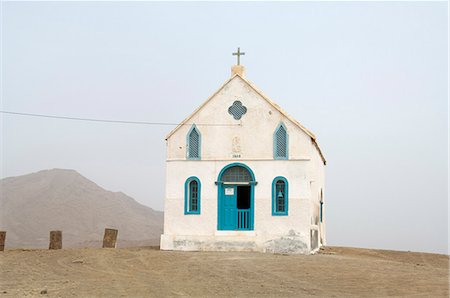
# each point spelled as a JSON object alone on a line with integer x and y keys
{"x": 229, "y": 191}
{"x": 236, "y": 148}
{"x": 236, "y": 145}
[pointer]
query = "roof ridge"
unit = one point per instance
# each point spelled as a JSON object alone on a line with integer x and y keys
{"x": 200, "y": 107}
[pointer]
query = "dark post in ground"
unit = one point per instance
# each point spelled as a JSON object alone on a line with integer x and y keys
{"x": 110, "y": 238}
{"x": 55, "y": 240}
{"x": 2, "y": 240}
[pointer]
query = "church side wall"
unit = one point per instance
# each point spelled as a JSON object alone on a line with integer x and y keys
{"x": 318, "y": 195}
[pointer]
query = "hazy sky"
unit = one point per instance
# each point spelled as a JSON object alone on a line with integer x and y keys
{"x": 370, "y": 79}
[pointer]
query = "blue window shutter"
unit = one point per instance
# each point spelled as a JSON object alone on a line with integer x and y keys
{"x": 280, "y": 139}
{"x": 321, "y": 211}
{"x": 321, "y": 205}
{"x": 193, "y": 143}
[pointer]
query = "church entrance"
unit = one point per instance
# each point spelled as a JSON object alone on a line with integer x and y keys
{"x": 235, "y": 198}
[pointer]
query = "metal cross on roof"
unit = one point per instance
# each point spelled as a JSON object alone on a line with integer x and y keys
{"x": 238, "y": 54}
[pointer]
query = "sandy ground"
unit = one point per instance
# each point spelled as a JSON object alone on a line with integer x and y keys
{"x": 139, "y": 272}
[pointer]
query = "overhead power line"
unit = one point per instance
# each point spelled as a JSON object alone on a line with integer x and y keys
{"x": 111, "y": 121}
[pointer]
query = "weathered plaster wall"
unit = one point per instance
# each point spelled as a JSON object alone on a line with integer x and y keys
{"x": 177, "y": 223}
{"x": 254, "y": 131}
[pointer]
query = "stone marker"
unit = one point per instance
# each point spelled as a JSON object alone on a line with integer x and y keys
{"x": 2, "y": 240}
{"x": 110, "y": 238}
{"x": 55, "y": 240}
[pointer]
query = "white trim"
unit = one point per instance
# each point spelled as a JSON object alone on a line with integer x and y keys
{"x": 243, "y": 160}
{"x": 235, "y": 233}
{"x": 236, "y": 183}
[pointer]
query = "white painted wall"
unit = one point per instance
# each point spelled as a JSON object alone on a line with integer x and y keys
{"x": 303, "y": 170}
{"x": 260, "y": 117}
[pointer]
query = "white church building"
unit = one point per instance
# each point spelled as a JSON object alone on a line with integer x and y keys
{"x": 242, "y": 175}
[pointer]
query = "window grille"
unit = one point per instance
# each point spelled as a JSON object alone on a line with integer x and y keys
{"x": 280, "y": 196}
{"x": 281, "y": 142}
{"x": 236, "y": 174}
{"x": 194, "y": 144}
{"x": 237, "y": 110}
{"x": 192, "y": 195}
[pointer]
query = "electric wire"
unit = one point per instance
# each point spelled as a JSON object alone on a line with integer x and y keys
{"x": 111, "y": 121}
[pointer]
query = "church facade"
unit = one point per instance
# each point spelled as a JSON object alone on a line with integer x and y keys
{"x": 242, "y": 175}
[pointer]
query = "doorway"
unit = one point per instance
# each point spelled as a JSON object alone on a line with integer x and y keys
{"x": 235, "y": 198}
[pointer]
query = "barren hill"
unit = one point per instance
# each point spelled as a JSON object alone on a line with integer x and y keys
{"x": 32, "y": 205}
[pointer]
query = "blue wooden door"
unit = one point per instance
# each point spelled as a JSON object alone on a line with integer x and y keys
{"x": 229, "y": 207}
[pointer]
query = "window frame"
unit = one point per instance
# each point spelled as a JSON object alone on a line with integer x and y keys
{"x": 321, "y": 205}
{"x": 188, "y": 143}
{"x": 275, "y": 142}
{"x": 274, "y": 197}
{"x": 188, "y": 198}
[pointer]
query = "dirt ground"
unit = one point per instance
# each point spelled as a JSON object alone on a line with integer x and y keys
{"x": 144, "y": 272}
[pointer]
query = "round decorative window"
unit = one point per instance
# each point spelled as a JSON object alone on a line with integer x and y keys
{"x": 237, "y": 110}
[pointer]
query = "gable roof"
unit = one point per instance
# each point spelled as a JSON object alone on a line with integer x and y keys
{"x": 266, "y": 98}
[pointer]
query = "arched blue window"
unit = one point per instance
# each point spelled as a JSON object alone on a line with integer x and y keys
{"x": 193, "y": 143}
{"x": 280, "y": 142}
{"x": 192, "y": 188}
{"x": 280, "y": 196}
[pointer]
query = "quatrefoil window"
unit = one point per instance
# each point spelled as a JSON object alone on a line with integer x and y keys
{"x": 237, "y": 110}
